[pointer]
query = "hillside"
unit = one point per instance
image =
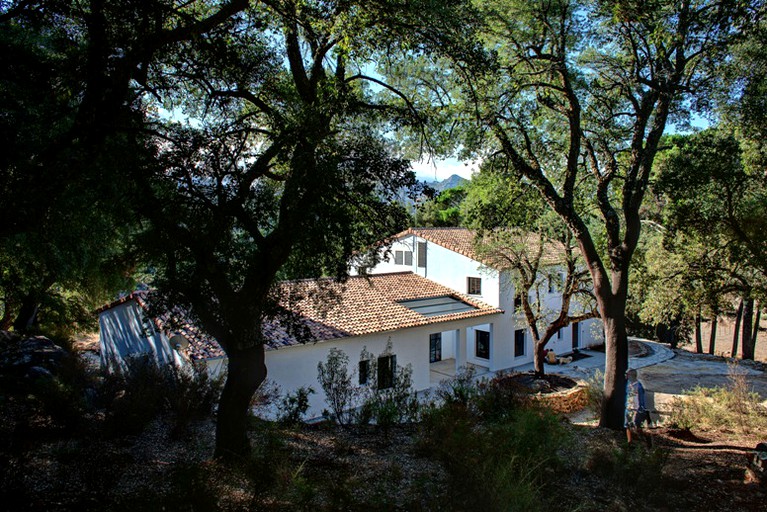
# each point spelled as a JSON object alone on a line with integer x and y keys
{"x": 78, "y": 441}
{"x": 451, "y": 182}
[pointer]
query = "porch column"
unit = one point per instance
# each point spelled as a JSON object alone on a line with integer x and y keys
{"x": 460, "y": 349}
{"x": 494, "y": 353}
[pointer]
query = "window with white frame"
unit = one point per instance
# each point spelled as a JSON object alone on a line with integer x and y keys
{"x": 403, "y": 258}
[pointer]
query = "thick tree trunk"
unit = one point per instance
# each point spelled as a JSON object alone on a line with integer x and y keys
{"x": 712, "y": 337}
{"x": 245, "y": 373}
{"x": 698, "y": 334}
{"x": 616, "y": 364}
{"x": 538, "y": 358}
{"x": 736, "y": 332}
{"x": 27, "y": 314}
{"x": 748, "y": 318}
{"x": 7, "y": 320}
{"x": 757, "y": 321}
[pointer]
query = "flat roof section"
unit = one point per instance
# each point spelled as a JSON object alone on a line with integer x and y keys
{"x": 437, "y": 306}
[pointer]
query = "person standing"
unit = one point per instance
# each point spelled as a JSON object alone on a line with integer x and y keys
{"x": 636, "y": 408}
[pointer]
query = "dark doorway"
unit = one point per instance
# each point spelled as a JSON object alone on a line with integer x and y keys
{"x": 482, "y": 348}
{"x": 576, "y": 334}
{"x": 435, "y": 347}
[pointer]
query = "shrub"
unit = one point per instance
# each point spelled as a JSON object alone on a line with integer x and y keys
{"x": 493, "y": 465}
{"x": 144, "y": 390}
{"x": 633, "y": 467}
{"x": 734, "y": 406}
{"x": 394, "y": 405}
{"x": 294, "y": 405}
{"x": 595, "y": 394}
{"x": 336, "y": 382}
{"x": 461, "y": 388}
{"x": 63, "y": 402}
{"x": 500, "y": 397}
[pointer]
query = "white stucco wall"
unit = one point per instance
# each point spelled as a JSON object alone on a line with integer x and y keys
{"x": 122, "y": 334}
{"x": 293, "y": 367}
{"x": 443, "y": 266}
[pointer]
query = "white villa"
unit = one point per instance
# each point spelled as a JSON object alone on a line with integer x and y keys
{"x": 393, "y": 317}
{"x": 447, "y": 256}
{"x": 432, "y": 305}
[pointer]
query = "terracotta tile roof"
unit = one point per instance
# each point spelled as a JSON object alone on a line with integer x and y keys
{"x": 462, "y": 241}
{"x": 138, "y": 296}
{"x": 370, "y": 304}
{"x": 328, "y": 309}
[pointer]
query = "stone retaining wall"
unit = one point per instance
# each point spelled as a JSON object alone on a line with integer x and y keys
{"x": 564, "y": 402}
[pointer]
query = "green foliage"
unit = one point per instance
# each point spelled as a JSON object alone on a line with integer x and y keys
{"x": 734, "y": 406}
{"x": 493, "y": 466}
{"x": 336, "y": 382}
{"x": 294, "y": 405}
{"x": 498, "y": 198}
{"x": 497, "y": 450}
{"x": 143, "y": 390}
{"x": 444, "y": 210}
{"x": 634, "y": 468}
{"x": 743, "y": 104}
{"x": 714, "y": 199}
{"x": 395, "y": 405}
{"x": 460, "y": 389}
{"x": 62, "y": 401}
{"x": 65, "y": 187}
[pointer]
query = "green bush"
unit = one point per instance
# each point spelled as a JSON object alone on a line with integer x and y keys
{"x": 391, "y": 406}
{"x": 293, "y": 406}
{"x": 493, "y": 465}
{"x": 500, "y": 397}
{"x": 62, "y": 401}
{"x": 336, "y": 382}
{"x": 734, "y": 406}
{"x": 633, "y": 468}
{"x": 143, "y": 390}
{"x": 460, "y": 388}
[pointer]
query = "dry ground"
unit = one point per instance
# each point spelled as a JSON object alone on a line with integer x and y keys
{"x": 724, "y": 334}
{"x": 331, "y": 469}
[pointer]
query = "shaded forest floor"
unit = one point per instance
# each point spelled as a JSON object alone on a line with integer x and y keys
{"x": 55, "y": 458}
{"x": 364, "y": 469}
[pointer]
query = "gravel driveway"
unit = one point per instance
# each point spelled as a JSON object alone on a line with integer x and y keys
{"x": 687, "y": 370}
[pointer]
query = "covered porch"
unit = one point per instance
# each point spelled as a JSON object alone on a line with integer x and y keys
{"x": 477, "y": 346}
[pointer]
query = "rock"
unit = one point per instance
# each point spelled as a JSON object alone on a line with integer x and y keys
{"x": 19, "y": 355}
{"x": 38, "y": 372}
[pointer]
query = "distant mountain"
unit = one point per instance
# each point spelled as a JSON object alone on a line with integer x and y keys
{"x": 438, "y": 186}
{"x": 451, "y": 182}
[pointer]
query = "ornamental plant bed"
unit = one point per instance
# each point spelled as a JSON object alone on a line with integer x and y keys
{"x": 529, "y": 383}
{"x": 636, "y": 349}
